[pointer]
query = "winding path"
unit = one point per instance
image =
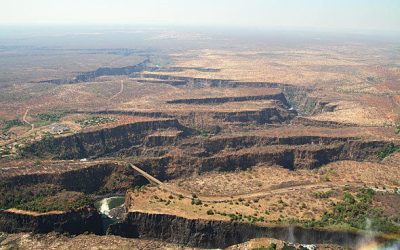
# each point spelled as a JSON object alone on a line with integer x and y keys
{"x": 24, "y": 120}
{"x": 120, "y": 91}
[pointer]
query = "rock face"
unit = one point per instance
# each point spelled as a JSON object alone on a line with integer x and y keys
{"x": 91, "y": 75}
{"x": 106, "y": 177}
{"x": 298, "y": 157}
{"x": 277, "y": 97}
{"x": 217, "y": 234}
{"x": 241, "y": 153}
{"x": 101, "y": 142}
{"x": 263, "y": 116}
{"x": 74, "y": 222}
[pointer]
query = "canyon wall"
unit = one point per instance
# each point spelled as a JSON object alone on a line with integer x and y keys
{"x": 100, "y": 142}
{"x": 78, "y": 221}
{"x": 218, "y": 234}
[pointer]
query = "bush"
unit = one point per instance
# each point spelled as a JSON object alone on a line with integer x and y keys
{"x": 56, "y": 203}
{"x": 388, "y": 151}
{"x": 210, "y": 212}
{"x": 97, "y": 120}
{"x": 356, "y": 211}
{"x": 11, "y": 123}
{"x": 52, "y": 117}
{"x": 196, "y": 201}
{"x": 323, "y": 195}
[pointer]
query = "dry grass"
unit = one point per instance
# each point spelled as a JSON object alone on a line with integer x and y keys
{"x": 282, "y": 193}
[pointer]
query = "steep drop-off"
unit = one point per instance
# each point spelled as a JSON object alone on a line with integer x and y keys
{"x": 100, "y": 142}
{"x": 78, "y": 221}
{"x": 218, "y": 234}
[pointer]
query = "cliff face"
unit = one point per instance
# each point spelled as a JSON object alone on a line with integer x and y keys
{"x": 277, "y": 97}
{"x": 98, "y": 178}
{"x": 102, "y": 142}
{"x": 216, "y": 145}
{"x": 91, "y": 75}
{"x": 264, "y": 116}
{"x": 217, "y": 234}
{"x": 74, "y": 222}
{"x": 241, "y": 153}
{"x": 307, "y": 156}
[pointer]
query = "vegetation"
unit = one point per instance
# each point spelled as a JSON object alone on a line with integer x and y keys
{"x": 8, "y": 124}
{"x": 96, "y": 120}
{"x": 50, "y": 117}
{"x": 242, "y": 217}
{"x": 210, "y": 212}
{"x": 24, "y": 194}
{"x": 388, "y": 151}
{"x": 323, "y": 195}
{"x": 196, "y": 201}
{"x": 272, "y": 246}
{"x": 356, "y": 212}
{"x": 46, "y": 146}
{"x": 57, "y": 203}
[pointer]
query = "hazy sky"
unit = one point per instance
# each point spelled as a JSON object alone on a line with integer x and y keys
{"x": 333, "y": 14}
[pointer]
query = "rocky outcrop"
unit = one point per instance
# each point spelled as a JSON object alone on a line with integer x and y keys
{"x": 263, "y": 116}
{"x": 218, "y": 234}
{"x": 91, "y": 75}
{"x": 169, "y": 82}
{"x": 88, "y": 76}
{"x": 97, "y": 178}
{"x": 294, "y": 157}
{"x": 318, "y": 123}
{"x": 132, "y": 113}
{"x": 78, "y": 221}
{"x": 217, "y": 144}
{"x": 209, "y": 82}
{"x": 217, "y": 100}
{"x": 101, "y": 142}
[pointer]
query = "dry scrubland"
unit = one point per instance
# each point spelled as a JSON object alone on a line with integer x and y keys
{"x": 270, "y": 192}
{"x": 328, "y": 112}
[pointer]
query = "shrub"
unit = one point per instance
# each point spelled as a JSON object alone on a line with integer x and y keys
{"x": 323, "y": 195}
{"x": 210, "y": 212}
{"x": 356, "y": 211}
{"x": 196, "y": 201}
{"x": 391, "y": 149}
{"x": 272, "y": 246}
{"x": 96, "y": 120}
{"x": 52, "y": 116}
{"x": 11, "y": 123}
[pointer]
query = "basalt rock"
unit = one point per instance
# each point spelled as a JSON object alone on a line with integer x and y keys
{"x": 101, "y": 142}
{"x": 218, "y": 234}
{"x": 78, "y": 221}
{"x": 294, "y": 157}
{"x": 113, "y": 178}
{"x": 217, "y": 100}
